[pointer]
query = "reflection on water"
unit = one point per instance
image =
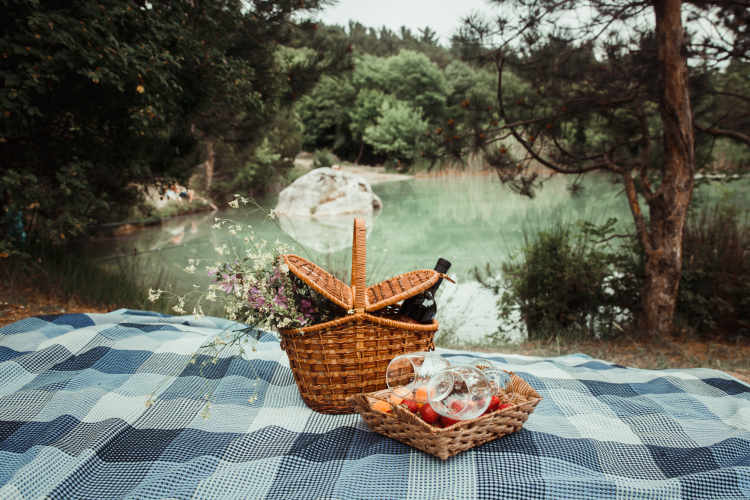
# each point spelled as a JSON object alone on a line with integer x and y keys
{"x": 470, "y": 221}
{"x": 325, "y": 235}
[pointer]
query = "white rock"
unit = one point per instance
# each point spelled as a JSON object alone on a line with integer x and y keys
{"x": 324, "y": 192}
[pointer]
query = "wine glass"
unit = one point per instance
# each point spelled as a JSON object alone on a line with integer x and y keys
{"x": 407, "y": 375}
{"x": 460, "y": 392}
{"x": 500, "y": 379}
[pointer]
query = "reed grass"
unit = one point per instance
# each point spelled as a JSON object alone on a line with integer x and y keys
{"x": 61, "y": 273}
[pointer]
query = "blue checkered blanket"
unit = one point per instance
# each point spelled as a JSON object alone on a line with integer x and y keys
{"x": 73, "y": 425}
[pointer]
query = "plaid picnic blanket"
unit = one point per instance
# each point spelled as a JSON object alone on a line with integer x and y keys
{"x": 73, "y": 425}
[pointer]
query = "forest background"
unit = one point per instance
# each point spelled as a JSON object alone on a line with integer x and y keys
{"x": 151, "y": 92}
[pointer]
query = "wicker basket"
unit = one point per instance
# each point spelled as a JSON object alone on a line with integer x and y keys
{"x": 403, "y": 426}
{"x": 334, "y": 360}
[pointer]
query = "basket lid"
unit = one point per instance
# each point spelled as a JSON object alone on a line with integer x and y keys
{"x": 400, "y": 288}
{"x": 357, "y": 296}
{"x": 321, "y": 281}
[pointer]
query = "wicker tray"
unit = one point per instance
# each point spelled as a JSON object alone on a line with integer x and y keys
{"x": 331, "y": 361}
{"x": 408, "y": 428}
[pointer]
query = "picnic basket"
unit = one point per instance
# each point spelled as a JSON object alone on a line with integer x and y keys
{"x": 349, "y": 355}
{"x": 408, "y": 428}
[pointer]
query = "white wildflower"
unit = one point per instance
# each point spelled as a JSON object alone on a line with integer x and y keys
{"x": 234, "y": 204}
{"x": 216, "y": 226}
{"x": 198, "y": 312}
{"x": 217, "y": 219}
{"x": 206, "y": 412}
{"x": 150, "y": 401}
{"x": 284, "y": 268}
{"x": 153, "y": 296}
{"x": 272, "y": 215}
{"x": 190, "y": 269}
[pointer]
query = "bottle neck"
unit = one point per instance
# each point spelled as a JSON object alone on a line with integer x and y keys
{"x": 441, "y": 267}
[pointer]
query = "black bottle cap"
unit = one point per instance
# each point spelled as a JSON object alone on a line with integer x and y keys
{"x": 442, "y": 265}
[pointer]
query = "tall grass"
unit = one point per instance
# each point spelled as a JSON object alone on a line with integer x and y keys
{"x": 64, "y": 273}
{"x": 715, "y": 285}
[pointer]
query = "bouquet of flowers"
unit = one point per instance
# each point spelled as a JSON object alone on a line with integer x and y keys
{"x": 254, "y": 287}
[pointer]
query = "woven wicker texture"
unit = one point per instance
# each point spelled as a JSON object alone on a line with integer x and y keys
{"x": 403, "y": 426}
{"x": 376, "y": 297}
{"x": 349, "y": 355}
{"x": 320, "y": 281}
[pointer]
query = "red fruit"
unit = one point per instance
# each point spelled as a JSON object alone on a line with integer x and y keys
{"x": 428, "y": 414}
{"x": 494, "y": 403}
{"x": 412, "y": 406}
{"x": 504, "y": 406}
{"x": 447, "y": 421}
{"x": 457, "y": 406}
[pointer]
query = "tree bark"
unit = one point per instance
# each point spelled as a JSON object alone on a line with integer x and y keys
{"x": 361, "y": 150}
{"x": 669, "y": 204}
{"x": 209, "y": 163}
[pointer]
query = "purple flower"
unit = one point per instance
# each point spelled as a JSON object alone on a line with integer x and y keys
{"x": 256, "y": 299}
{"x": 307, "y": 307}
{"x": 229, "y": 283}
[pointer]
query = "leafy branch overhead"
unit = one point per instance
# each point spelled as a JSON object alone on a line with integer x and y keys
{"x": 622, "y": 87}
{"x": 92, "y": 88}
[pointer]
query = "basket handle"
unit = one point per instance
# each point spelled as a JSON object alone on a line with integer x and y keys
{"x": 359, "y": 264}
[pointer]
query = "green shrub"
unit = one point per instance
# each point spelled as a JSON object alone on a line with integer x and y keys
{"x": 564, "y": 283}
{"x": 715, "y": 286}
{"x": 323, "y": 158}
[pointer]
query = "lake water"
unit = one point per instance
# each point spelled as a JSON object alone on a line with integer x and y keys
{"x": 471, "y": 221}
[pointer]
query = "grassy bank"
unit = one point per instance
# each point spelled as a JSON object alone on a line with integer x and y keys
{"x": 679, "y": 351}
{"x": 59, "y": 278}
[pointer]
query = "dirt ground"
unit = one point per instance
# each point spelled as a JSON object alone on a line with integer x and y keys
{"x": 682, "y": 350}
{"x": 38, "y": 305}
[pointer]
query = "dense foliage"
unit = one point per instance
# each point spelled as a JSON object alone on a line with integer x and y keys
{"x": 400, "y": 88}
{"x": 568, "y": 281}
{"x": 715, "y": 287}
{"x": 131, "y": 87}
{"x": 564, "y": 281}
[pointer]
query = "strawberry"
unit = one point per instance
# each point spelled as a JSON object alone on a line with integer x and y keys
{"x": 494, "y": 403}
{"x": 457, "y": 406}
{"x": 447, "y": 421}
{"x": 504, "y": 406}
{"x": 412, "y": 406}
{"x": 428, "y": 414}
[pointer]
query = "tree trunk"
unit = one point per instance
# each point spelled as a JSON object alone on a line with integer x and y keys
{"x": 361, "y": 150}
{"x": 669, "y": 204}
{"x": 209, "y": 163}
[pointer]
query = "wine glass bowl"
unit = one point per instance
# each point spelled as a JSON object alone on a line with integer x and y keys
{"x": 407, "y": 375}
{"x": 460, "y": 392}
{"x": 499, "y": 379}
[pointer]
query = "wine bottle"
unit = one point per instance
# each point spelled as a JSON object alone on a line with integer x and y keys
{"x": 422, "y": 308}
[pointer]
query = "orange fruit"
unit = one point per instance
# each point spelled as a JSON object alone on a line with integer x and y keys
{"x": 402, "y": 392}
{"x": 382, "y": 406}
{"x": 421, "y": 395}
{"x": 395, "y": 400}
